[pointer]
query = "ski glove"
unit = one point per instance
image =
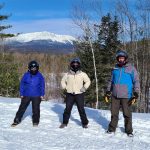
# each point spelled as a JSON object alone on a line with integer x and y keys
{"x": 107, "y": 96}
{"x": 132, "y": 101}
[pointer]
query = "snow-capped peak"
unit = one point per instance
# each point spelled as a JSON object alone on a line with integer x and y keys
{"x": 27, "y": 37}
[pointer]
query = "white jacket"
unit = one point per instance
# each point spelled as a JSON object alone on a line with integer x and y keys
{"x": 75, "y": 83}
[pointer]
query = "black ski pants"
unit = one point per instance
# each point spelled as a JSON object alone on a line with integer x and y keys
{"x": 79, "y": 100}
{"x": 25, "y": 101}
{"x": 115, "y": 106}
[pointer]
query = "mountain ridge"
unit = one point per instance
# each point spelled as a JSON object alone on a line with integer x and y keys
{"x": 45, "y": 42}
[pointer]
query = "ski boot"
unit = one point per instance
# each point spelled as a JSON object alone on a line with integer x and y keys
{"x": 63, "y": 125}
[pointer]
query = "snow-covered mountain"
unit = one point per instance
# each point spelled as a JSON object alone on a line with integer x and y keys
{"x": 28, "y": 37}
{"x": 41, "y": 42}
{"x": 48, "y": 135}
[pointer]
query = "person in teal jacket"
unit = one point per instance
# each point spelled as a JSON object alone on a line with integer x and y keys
{"x": 123, "y": 86}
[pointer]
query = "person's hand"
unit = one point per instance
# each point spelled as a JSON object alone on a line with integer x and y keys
{"x": 132, "y": 101}
{"x": 42, "y": 98}
{"x": 83, "y": 89}
{"x": 107, "y": 96}
{"x": 64, "y": 91}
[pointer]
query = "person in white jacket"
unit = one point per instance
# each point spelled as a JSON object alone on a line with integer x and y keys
{"x": 75, "y": 83}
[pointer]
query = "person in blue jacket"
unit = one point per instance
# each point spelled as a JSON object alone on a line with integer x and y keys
{"x": 32, "y": 89}
{"x": 123, "y": 87}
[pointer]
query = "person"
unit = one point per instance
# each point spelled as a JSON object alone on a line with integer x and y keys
{"x": 32, "y": 89}
{"x": 75, "y": 82}
{"x": 122, "y": 88}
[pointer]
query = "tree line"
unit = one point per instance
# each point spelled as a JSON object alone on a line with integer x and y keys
{"x": 124, "y": 27}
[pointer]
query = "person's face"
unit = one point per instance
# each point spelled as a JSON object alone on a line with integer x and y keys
{"x": 75, "y": 64}
{"x": 121, "y": 59}
{"x": 33, "y": 70}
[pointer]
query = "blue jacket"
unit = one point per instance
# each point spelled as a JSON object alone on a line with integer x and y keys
{"x": 32, "y": 85}
{"x": 124, "y": 81}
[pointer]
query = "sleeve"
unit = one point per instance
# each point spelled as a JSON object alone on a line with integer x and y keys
{"x": 87, "y": 81}
{"x": 22, "y": 85}
{"x": 136, "y": 83}
{"x": 64, "y": 82}
{"x": 42, "y": 86}
{"x": 110, "y": 81}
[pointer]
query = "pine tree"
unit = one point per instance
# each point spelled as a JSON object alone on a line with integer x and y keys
{"x": 3, "y": 27}
{"x": 105, "y": 48}
{"x": 9, "y": 77}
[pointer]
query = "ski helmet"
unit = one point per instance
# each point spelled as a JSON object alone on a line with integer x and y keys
{"x": 75, "y": 64}
{"x": 124, "y": 54}
{"x": 33, "y": 67}
{"x": 121, "y": 53}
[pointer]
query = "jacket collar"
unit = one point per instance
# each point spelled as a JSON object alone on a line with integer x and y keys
{"x": 126, "y": 65}
{"x": 73, "y": 73}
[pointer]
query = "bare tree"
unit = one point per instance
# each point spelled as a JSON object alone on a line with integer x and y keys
{"x": 82, "y": 19}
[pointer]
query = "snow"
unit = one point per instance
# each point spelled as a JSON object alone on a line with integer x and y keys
{"x": 27, "y": 37}
{"x": 48, "y": 135}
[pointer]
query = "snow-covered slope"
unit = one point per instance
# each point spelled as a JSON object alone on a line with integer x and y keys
{"x": 47, "y": 136}
{"x": 28, "y": 37}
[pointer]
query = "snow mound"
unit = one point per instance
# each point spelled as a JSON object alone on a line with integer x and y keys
{"x": 48, "y": 135}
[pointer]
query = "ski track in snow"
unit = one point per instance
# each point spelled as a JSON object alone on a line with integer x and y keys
{"x": 48, "y": 135}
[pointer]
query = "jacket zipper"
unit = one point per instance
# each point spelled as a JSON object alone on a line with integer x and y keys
{"x": 119, "y": 80}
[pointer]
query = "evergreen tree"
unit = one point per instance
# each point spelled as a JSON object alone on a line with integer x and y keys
{"x": 3, "y": 27}
{"x": 105, "y": 48}
{"x": 9, "y": 77}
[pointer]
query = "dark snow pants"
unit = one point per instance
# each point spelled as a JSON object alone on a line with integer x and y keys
{"x": 25, "y": 101}
{"x": 79, "y": 100}
{"x": 115, "y": 106}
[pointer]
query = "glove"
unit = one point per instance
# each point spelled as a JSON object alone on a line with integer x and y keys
{"x": 107, "y": 96}
{"x": 136, "y": 95}
{"x": 132, "y": 101}
{"x": 83, "y": 89}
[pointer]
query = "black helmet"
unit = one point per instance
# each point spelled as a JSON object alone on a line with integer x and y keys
{"x": 75, "y": 64}
{"x": 33, "y": 67}
{"x": 33, "y": 64}
{"x": 121, "y": 53}
{"x": 77, "y": 60}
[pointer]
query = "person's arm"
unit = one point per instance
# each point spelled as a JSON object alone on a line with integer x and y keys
{"x": 22, "y": 85}
{"x": 87, "y": 81}
{"x": 136, "y": 83}
{"x": 109, "y": 86}
{"x": 64, "y": 82}
{"x": 42, "y": 86}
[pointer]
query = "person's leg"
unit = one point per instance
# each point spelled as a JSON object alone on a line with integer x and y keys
{"x": 69, "y": 105}
{"x": 25, "y": 101}
{"x": 36, "y": 109}
{"x": 127, "y": 116}
{"x": 115, "y": 106}
{"x": 79, "y": 99}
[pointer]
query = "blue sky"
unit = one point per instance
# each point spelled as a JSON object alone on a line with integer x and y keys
{"x": 43, "y": 15}
{"x": 39, "y": 15}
